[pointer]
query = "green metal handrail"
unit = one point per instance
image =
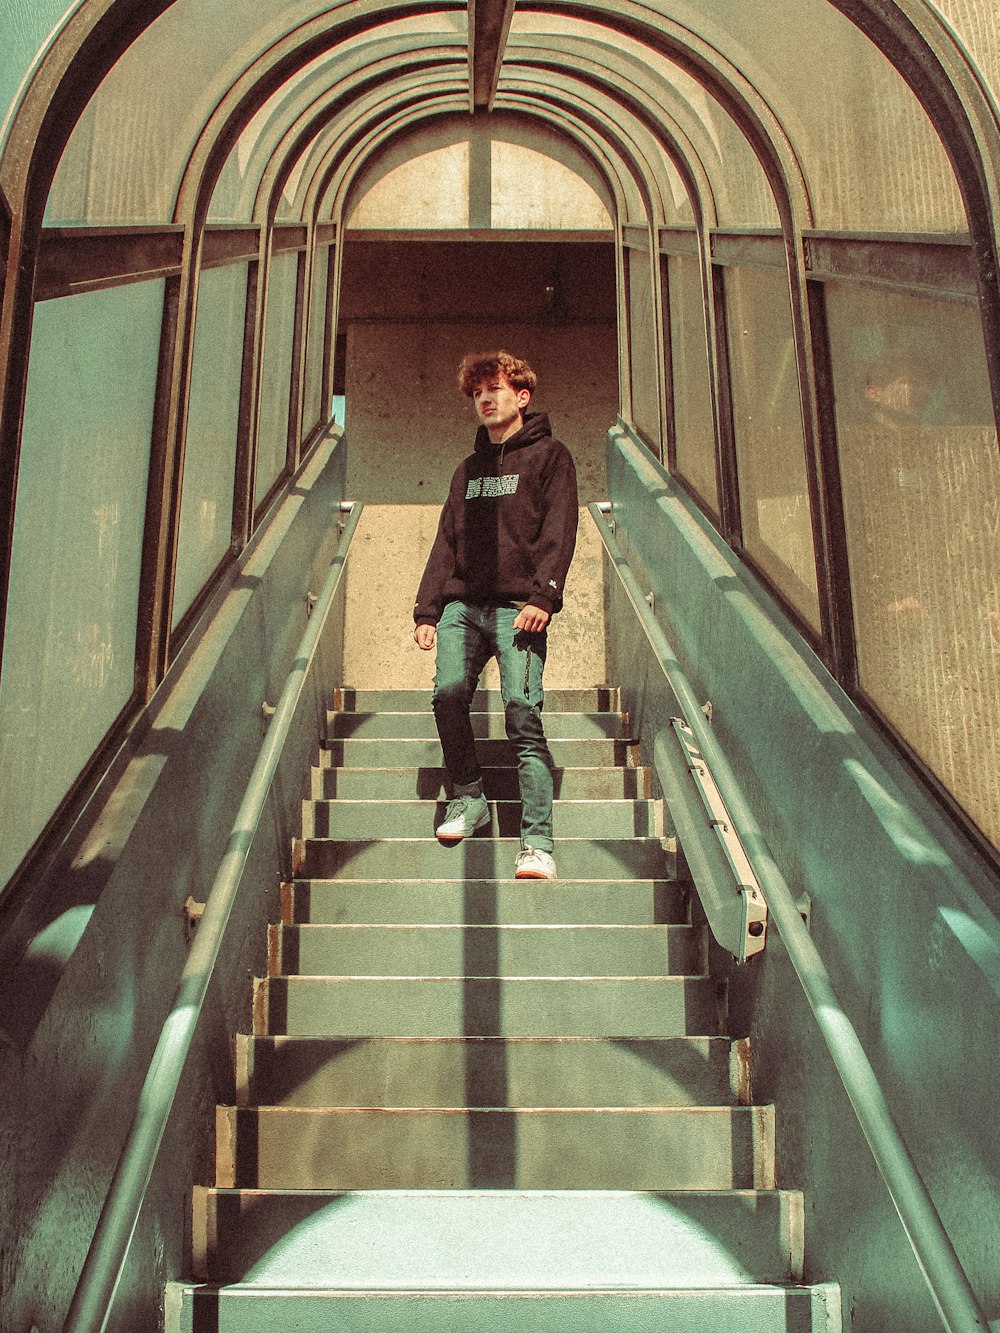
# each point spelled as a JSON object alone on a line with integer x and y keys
{"x": 95, "y": 1292}
{"x": 956, "y": 1302}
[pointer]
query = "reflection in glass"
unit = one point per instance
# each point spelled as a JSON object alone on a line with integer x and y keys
{"x": 213, "y": 417}
{"x": 921, "y": 477}
{"x": 643, "y": 370}
{"x": 69, "y": 653}
{"x": 774, "y": 493}
{"x": 276, "y": 374}
{"x": 691, "y": 387}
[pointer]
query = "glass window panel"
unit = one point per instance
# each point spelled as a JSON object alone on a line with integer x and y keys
{"x": 977, "y": 23}
{"x": 27, "y": 28}
{"x": 69, "y": 655}
{"x": 316, "y": 349}
{"x": 529, "y": 189}
{"x": 774, "y": 491}
{"x": 276, "y": 373}
{"x": 644, "y": 371}
{"x": 921, "y": 479}
{"x": 693, "y": 418}
{"x": 213, "y": 419}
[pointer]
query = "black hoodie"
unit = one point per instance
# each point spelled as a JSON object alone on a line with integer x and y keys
{"x": 508, "y": 528}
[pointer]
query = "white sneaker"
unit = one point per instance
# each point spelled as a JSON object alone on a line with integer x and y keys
{"x": 464, "y": 815}
{"x": 532, "y": 863}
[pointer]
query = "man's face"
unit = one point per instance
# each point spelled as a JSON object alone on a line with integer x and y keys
{"x": 499, "y": 406}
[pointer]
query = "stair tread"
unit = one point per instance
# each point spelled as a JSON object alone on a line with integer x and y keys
{"x": 395, "y": 728}
{"x": 435, "y": 802}
{"x": 456, "y": 902}
{"x": 513, "y": 1239}
{"x": 569, "y": 698}
{"x": 636, "y": 1007}
{"x": 637, "y": 884}
{"x": 479, "y": 858}
{"x": 543, "y": 1239}
{"x": 517, "y": 1071}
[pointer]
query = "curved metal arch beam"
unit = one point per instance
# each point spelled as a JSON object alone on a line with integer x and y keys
{"x": 582, "y": 120}
{"x": 613, "y": 173}
{"x": 696, "y": 181}
{"x": 663, "y": 103}
{"x": 766, "y": 135}
{"x": 360, "y": 67}
{"x": 335, "y": 161}
{"x": 339, "y": 177}
{"x": 671, "y": 139}
{"x": 751, "y": 112}
{"x": 591, "y": 128}
{"x": 343, "y": 160}
{"x": 308, "y": 169}
{"x": 625, "y": 132}
{"x": 610, "y": 149}
{"x": 76, "y": 62}
{"x": 387, "y": 118}
{"x": 302, "y": 139}
{"x": 287, "y": 167}
{"x": 266, "y": 75}
{"x": 613, "y": 194}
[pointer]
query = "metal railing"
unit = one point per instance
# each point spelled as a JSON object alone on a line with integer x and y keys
{"x": 95, "y": 1292}
{"x": 949, "y": 1286}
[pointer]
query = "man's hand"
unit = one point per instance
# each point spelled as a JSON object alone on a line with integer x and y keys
{"x": 425, "y": 636}
{"x": 532, "y": 618}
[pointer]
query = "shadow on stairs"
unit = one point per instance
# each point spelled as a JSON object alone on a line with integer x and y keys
{"x": 475, "y": 1102}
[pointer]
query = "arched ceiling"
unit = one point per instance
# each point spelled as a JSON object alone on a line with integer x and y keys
{"x": 782, "y": 107}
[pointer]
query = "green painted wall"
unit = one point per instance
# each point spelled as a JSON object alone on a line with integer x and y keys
{"x": 904, "y": 914}
{"x": 80, "y": 1016}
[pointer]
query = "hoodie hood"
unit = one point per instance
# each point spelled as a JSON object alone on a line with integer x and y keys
{"x": 536, "y": 427}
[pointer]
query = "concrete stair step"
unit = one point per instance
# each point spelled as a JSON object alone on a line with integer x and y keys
{"x": 368, "y": 819}
{"x": 479, "y": 858}
{"x": 484, "y": 902}
{"x": 490, "y": 1071}
{"x": 502, "y": 1240}
{"x": 750, "y": 1309}
{"x": 499, "y": 784}
{"x": 416, "y": 726}
{"x": 487, "y": 950}
{"x": 487, "y": 1007}
{"x": 587, "y": 699}
{"x": 593, "y": 752}
{"x": 658, "y": 1148}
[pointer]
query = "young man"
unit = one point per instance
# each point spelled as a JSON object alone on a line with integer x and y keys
{"x": 493, "y": 581}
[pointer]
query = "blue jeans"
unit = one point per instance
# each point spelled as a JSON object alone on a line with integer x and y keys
{"x": 468, "y": 635}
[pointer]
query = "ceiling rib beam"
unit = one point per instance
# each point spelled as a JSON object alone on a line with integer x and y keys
{"x": 489, "y": 24}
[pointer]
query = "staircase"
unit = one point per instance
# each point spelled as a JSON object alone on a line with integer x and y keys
{"x": 473, "y": 1102}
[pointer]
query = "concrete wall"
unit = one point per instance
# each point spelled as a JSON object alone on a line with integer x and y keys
{"x": 81, "y": 1015}
{"x": 903, "y": 912}
{"x": 387, "y": 560}
{"x": 411, "y": 310}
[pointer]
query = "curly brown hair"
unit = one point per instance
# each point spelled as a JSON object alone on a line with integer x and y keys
{"x": 479, "y": 366}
